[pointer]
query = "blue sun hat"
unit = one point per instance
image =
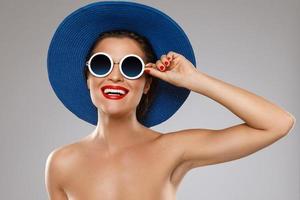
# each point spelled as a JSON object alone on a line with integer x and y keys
{"x": 75, "y": 35}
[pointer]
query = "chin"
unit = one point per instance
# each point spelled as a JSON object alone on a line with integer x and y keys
{"x": 115, "y": 110}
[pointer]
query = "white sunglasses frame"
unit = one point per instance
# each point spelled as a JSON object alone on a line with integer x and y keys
{"x": 88, "y": 64}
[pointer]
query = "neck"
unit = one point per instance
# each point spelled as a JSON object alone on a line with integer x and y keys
{"x": 117, "y": 132}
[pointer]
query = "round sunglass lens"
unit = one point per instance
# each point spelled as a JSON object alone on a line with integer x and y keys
{"x": 132, "y": 66}
{"x": 100, "y": 64}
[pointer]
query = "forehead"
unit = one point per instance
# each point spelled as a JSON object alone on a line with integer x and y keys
{"x": 119, "y": 47}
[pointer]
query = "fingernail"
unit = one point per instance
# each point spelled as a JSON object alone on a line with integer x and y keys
{"x": 162, "y": 68}
{"x": 166, "y": 63}
{"x": 147, "y": 70}
{"x": 169, "y": 58}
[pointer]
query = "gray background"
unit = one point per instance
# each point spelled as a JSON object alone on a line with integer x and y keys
{"x": 251, "y": 44}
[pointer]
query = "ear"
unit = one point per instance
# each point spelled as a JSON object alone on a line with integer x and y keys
{"x": 88, "y": 80}
{"x": 87, "y": 83}
{"x": 147, "y": 85}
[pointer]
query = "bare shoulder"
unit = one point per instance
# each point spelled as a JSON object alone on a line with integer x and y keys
{"x": 58, "y": 163}
{"x": 64, "y": 152}
{"x": 62, "y": 157}
{"x": 175, "y": 142}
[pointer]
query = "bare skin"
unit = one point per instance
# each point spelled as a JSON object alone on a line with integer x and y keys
{"x": 122, "y": 159}
{"x": 140, "y": 171}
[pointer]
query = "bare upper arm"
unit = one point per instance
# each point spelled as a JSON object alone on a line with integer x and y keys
{"x": 54, "y": 173}
{"x": 200, "y": 147}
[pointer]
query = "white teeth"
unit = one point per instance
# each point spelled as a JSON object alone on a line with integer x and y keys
{"x": 114, "y": 91}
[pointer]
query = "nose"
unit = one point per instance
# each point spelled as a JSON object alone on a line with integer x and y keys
{"x": 115, "y": 75}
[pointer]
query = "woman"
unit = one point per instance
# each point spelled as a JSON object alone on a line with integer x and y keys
{"x": 123, "y": 158}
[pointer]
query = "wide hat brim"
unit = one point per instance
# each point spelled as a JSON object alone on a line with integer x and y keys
{"x": 75, "y": 35}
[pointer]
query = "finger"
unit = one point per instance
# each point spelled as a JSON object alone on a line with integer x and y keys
{"x": 164, "y": 60}
{"x": 150, "y": 65}
{"x": 172, "y": 55}
{"x": 160, "y": 66}
{"x": 153, "y": 71}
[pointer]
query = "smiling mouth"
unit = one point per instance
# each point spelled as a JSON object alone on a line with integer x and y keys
{"x": 114, "y": 94}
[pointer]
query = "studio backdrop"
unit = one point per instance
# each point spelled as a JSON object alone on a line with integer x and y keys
{"x": 251, "y": 44}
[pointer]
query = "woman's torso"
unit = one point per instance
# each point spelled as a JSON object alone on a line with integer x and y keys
{"x": 142, "y": 171}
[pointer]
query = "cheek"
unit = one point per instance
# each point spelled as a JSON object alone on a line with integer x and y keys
{"x": 137, "y": 89}
{"x": 95, "y": 82}
{"x": 137, "y": 86}
{"x": 95, "y": 90}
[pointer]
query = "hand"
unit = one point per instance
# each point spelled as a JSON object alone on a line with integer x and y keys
{"x": 173, "y": 68}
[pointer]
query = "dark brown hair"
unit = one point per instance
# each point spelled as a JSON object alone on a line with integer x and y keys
{"x": 146, "y": 47}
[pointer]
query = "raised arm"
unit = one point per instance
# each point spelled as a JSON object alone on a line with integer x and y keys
{"x": 264, "y": 124}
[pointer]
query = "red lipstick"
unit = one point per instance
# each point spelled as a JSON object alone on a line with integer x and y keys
{"x": 114, "y": 92}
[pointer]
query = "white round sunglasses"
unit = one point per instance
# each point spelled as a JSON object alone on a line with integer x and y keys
{"x": 101, "y": 64}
